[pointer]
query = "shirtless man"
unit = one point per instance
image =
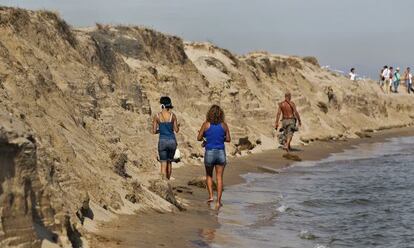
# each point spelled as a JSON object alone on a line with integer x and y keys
{"x": 289, "y": 117}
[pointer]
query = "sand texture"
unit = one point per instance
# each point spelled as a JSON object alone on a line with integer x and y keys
{"x": 76, "y": 108}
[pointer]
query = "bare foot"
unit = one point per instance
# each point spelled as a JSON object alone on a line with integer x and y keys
{"x": 210, "y": 200}
{"x": 218, "y": 205}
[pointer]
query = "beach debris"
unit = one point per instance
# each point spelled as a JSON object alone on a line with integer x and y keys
{"x": 200, "y": 182}
{"x": 292, "y": 157}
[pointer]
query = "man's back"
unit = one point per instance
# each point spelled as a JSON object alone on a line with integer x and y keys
{"x": 287, "y": 109}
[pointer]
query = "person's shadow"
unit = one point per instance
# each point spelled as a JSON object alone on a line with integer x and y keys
{"x": 295, "y": 150}
{"x": 291, "y": 149}
{"x": 290, "y": 156}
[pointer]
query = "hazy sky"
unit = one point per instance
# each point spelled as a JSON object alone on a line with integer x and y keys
{"x": 365, "y": 34}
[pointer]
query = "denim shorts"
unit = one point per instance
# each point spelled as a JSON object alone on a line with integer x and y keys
{"x": 215, "y": 157}
{"x": 166, "y": 149}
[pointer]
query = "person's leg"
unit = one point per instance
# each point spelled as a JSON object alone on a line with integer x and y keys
{"x": 288, "y": 140}
{"x": 209, "y": 182}
{"x": 219, "y": 178}
{"x": 390, "y": 87}
{"x": 385, "y": 86}
{"x": 162, "y": 153}
{"x": 169, "y": 170}
{"x": 291, "y": 129}
{"x": 286, "y": 133}
{"x": 164, "y": 169}
{"x": 171, "y": 146}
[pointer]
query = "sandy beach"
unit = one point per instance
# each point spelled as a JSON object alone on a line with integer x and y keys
{"x": 76, "y": 109}
{"x": 196, "y": 226}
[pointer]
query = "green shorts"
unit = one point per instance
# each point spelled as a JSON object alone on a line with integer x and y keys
{"x": 289, "y": 127}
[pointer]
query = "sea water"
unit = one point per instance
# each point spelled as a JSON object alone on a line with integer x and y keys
{"x": 363, "y": 197}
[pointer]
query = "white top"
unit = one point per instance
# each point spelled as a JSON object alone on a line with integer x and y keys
{"x": 410, "y": 77}
{"x": 386, "y": 73}
{"x": 352, "y": 76}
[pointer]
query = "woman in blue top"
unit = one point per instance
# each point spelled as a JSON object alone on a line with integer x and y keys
{"x": 214, "y": 132}
{"x": 165, "y": 123}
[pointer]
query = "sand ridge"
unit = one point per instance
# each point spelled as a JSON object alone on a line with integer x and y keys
{"x": 84, "y": 100}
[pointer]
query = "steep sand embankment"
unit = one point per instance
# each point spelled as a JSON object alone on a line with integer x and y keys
{"x": 76, "y": 107}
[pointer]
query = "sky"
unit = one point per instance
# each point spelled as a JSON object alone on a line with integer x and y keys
{"x": 365, "y": 34}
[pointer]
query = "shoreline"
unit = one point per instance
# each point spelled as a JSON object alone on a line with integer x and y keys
{"x": 195, "y": 227}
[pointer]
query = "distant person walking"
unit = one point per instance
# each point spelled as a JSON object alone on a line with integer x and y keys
{"x": 390, "y": 80}
{"x": 352, "y": 74}
{"x": 386, "y": 79}
{"x": 290, "y": 120}
{"x": 381, "y": 80}
{"x": 408, "y": 76}
{"x": 397, "y": 79}
{"x": 165, "y": 124}
{"x": 214, "y": 132}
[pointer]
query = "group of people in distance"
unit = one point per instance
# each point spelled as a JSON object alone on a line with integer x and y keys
{"x": 391, "y": 79}
{"x": 214, "y": 132}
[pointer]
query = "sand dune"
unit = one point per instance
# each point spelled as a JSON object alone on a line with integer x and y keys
{"x": 76, "y": 107}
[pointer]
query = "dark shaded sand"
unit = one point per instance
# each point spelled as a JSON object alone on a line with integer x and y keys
{"x": 196, "y": 226}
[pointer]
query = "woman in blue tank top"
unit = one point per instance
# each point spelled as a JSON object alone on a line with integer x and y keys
{"x": 165, "y": 123}
{"x": 214, "y": 132}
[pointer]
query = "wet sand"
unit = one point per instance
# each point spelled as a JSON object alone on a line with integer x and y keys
{"x": 196, "y": 226}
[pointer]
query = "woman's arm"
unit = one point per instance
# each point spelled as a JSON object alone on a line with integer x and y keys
{"x": 175, "y": 123}
{"x": 155, "y": 125}
{"x": 226, "y": 129}
{"x": 201, "y": 132}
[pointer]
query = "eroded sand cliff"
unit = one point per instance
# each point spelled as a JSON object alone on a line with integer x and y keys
{"x": 76, "y": 107}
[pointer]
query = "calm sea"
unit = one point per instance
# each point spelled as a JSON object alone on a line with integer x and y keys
{"x": 363, "y": 197}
